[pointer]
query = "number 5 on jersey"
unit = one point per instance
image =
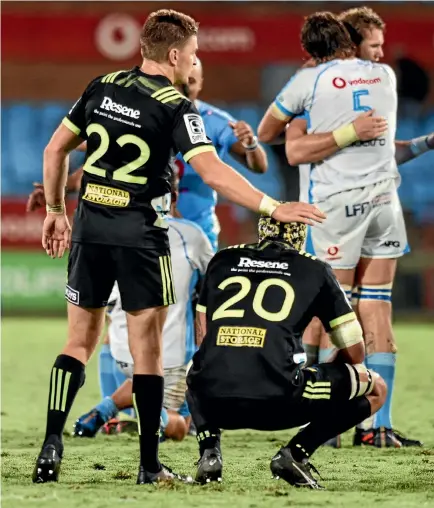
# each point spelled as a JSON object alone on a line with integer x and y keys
{"x": 122, "y": 174}
{"x": 357, "y": 105}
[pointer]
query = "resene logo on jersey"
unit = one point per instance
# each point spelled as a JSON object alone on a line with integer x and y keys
{"x": 342, "y": 83}
{"x": 251, "y": 263}
{"x": 110, "y": 105}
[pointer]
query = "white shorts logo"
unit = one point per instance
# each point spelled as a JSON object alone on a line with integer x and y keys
{"x": 195, "y": 128}
{"x": 72, "y": 295}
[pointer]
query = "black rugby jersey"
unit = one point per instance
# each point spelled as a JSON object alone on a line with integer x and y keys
{"x": 134, "y": 124}
{"x": 258, "y": 300}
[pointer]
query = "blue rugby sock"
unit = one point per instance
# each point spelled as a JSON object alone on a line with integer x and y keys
{"x": 107, "y": 408}
{"x": 107, "y": 381}
{"x": 324, "y": 354}
{"x": 384, "y": 365}
{"x": 120, "y": 378}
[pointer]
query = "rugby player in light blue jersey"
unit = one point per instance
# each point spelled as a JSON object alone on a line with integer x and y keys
{"x": 197, "y": 200}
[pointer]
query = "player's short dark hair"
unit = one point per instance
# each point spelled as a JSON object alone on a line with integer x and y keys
{"x": 164, "y": 29}
{"x": 291, "y": 233}
{"x": 360, "y": 19}
{"x": 324, "y": 37}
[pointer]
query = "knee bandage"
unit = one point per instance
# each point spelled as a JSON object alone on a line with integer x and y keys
{"x": 373, "y": 292}
{"x": 362, "y": 380}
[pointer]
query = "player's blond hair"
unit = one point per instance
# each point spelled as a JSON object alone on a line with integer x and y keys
{"x": 362, "y": 19}
{"x": 163, "y": 30}
{"x": 291, "y": 233}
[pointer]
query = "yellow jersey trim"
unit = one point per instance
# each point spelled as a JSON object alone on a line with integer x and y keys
{"x": 67, "y": 123}
{"x": 201, "y": 308}
{"x": 196, "y": 151}
{"x": 342, "y": 319}
{"x": 275, "y": 111}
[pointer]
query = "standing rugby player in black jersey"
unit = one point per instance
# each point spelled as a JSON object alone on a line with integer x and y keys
{"x": 134, "y": 121}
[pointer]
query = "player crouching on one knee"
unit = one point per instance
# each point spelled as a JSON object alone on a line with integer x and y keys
{"x": 255, "y": 302}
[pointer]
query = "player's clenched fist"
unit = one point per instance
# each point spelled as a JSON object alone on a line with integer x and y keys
{"x": 243, "y": 132}
{"x": 298, "y": 212}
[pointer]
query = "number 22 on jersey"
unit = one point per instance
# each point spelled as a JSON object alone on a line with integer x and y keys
{"x": 124, "y": 173}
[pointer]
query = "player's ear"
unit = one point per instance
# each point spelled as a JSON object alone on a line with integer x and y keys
{"x": 173, "y": 56}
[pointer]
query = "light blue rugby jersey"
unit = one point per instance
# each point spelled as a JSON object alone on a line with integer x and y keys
{"x": 197, "y": 200}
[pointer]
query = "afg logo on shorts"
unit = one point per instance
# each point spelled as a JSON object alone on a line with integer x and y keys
{"x": 391, "y": 243}
{"x": 72, "y": 295}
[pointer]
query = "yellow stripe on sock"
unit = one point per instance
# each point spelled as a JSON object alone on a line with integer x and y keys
{"x": 58, "y": 389}
{"x": 53, "y": 388}
{"x": 137, "y": 414}
{"x": 65, "y": 390}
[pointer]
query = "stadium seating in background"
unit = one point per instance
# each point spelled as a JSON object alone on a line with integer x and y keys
{"x": 26, "y": 128}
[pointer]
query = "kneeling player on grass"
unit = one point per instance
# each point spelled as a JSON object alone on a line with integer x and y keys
{"x": 248, "y": 373}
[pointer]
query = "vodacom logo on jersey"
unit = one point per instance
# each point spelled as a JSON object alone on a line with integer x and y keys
{"x": 342, "y": 83}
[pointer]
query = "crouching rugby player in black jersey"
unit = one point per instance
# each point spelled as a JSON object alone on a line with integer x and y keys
{"x": 248, "y": 372}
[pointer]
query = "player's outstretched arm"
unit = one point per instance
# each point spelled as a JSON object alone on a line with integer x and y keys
{"x": 409, "y": 150}
{"x": 234, "y": 187}
{"x": 271, "y": 129}
{"x": 303, "y": 148}
{"x": 247, "y": 150}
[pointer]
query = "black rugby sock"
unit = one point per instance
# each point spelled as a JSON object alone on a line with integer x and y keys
{"x": 340, "y": 418}
{"x": 208, "y": 439}
{"x": 67, "y": 377}
{"x": 148, "y": 391}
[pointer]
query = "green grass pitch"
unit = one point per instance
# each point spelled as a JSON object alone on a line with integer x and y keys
{"x": 101, "y": 472}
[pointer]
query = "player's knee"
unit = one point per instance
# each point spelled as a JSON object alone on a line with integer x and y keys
{"x": 176, "y": 428}
{"x": 312, "y": 334}
{"x": 362, "y": 380}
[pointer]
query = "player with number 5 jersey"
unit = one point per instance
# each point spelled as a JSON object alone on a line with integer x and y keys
{"x": 334, "y": 94}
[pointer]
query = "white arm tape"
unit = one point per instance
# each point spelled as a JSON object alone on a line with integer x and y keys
{"x": 346, "y": 334}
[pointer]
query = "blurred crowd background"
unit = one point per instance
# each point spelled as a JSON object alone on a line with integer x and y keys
{"x": 51, "y": 50}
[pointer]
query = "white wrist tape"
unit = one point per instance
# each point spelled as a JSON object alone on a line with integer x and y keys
{"x": 268, "y": 205}
{"x": 419, "y": 146}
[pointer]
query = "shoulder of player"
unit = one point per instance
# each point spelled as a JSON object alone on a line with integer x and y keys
{"x": 186, "y": 224}
{"x": 312, "y": 260}
{"x": 189, "y": 231}
{"x": 230, "y": 252}
{"x": 206, "y": 110}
